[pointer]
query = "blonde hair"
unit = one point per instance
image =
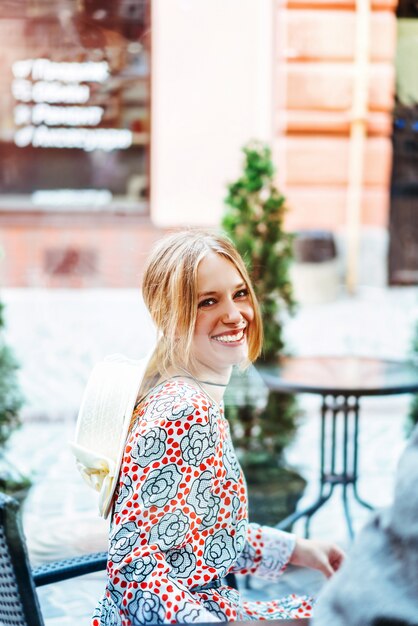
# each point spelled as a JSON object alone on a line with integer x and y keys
{"x": 169, "y": 289}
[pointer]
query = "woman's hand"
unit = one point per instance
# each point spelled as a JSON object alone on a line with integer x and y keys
{"x": 321, "y": 555}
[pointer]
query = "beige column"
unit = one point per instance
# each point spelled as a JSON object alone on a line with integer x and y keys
{"x": 211, "y": 93}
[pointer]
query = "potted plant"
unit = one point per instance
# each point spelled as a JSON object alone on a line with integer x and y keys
{"x": 262, "y": 429}
{"x": 11, "y": 401}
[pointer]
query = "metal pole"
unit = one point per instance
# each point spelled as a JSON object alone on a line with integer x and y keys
{"x": 357, "y": 140}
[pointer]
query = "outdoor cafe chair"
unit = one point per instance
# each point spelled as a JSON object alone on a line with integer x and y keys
{"x": 19, "y": 604}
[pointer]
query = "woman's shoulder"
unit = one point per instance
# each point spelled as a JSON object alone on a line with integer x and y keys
{"x": 174, "y": 399}
{"x": 178, "y": 386}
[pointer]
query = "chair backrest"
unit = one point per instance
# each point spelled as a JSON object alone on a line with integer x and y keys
{"x": 19, "y": 605}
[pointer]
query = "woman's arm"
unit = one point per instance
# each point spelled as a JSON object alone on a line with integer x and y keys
{"x": 266, "y": 553}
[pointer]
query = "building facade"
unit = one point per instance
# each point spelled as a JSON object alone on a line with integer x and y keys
{"x": 124, "y": 119}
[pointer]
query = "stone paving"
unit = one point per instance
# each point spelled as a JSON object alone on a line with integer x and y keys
{"x": 70, "y": 330}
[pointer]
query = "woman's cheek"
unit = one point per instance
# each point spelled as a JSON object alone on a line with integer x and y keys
{"x": 248, "y": 312}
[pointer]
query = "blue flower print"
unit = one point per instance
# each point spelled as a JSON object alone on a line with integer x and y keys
{"x": 115, "y": 594}
{"x": 214, "y": 426}
{"x": 140, "y": 568}
{"x": 232, "y": 595}
{"x": 241, "y": 535}
{"x": 123, "y": 541}
{"x": 214, "y": 608}
{"x": 160, "y": 486}
{"x": 182, "y": 409}
{"x": 211, "y": 514}
{"x": 163, "y": 406}
{"x": 235, "y": 504}
{"x": 232, "y": 467}
{"x": 219, "y": 551}
{"x": 182, "y": 561}
{"x": 109, "y": 613}
{"x": 150, "y": 447}
{"x": 147, "y": 608}
{"x": 188, "y": 615}
{"x": 272, "y": 564}
{"x": 199, "y": 494}
{"x": 170, "y": 530}
{"x": 196, "y": 445}
{"x": 126, "y": 490}
{"x": 246, "y": 559}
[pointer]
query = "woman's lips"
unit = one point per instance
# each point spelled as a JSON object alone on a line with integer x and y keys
{"x": 230, "y": 338}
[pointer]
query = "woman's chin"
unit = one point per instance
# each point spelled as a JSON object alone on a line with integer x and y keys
{"x": 233, "y": 356}
{"x": 218, "y": 357}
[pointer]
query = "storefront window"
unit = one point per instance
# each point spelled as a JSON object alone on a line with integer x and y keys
{"x": 75, "y": 105}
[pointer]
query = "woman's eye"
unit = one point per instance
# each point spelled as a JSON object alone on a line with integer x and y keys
{"x": 242, "y": 293}
{"x": 207, "y": 302}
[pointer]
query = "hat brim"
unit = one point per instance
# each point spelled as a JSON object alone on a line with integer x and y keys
{"x": 103, "y": 423}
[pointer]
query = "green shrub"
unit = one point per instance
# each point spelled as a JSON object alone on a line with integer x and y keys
{"x": 11, "y": 399}
{"x": 254, "y": 221}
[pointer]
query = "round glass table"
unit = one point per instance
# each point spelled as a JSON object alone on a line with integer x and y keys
{"x": 340, "y": 382}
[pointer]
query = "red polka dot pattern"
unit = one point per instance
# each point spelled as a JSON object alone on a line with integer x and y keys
{"x": 180, "y": 521}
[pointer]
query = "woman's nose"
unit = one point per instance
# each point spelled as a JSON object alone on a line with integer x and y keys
{"x": 232, "y": 313}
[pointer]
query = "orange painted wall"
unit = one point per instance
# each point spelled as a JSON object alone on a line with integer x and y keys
{"x": 313, "y": 92}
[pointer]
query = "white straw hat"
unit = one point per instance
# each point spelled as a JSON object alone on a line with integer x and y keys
{"x": 103, "y": 423}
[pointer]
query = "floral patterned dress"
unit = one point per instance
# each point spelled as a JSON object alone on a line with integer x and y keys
{"x": 180, "y": 521}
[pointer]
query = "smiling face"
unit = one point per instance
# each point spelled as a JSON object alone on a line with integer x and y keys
{"x": 224, "y": 316}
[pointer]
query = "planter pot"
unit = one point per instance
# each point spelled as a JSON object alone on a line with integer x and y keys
{"x": 273, "y": 493}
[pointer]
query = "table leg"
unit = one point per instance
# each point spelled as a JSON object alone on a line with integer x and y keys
{"x": 335, "y": 448}
{"x": 288, "y": 522}
{"x": 308, "y": 512}
{"x": 345, "y": 475}
{"x": 356, "y": 411}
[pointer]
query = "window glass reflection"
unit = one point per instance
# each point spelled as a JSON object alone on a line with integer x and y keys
{"x": 74, "y": 112}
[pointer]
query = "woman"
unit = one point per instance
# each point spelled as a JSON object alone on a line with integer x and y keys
{"x": 180, "y": 520}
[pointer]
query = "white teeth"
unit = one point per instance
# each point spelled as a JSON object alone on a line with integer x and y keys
{"x": 230, "y": 338}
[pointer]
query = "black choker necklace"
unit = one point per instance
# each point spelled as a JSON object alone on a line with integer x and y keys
{"x": 204, "y": 382}
{"x": 207, "y": 382}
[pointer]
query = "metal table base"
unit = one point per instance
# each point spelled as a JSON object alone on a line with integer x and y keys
{"x": 340, "y": 382}
{"x": 338, "y": 458}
